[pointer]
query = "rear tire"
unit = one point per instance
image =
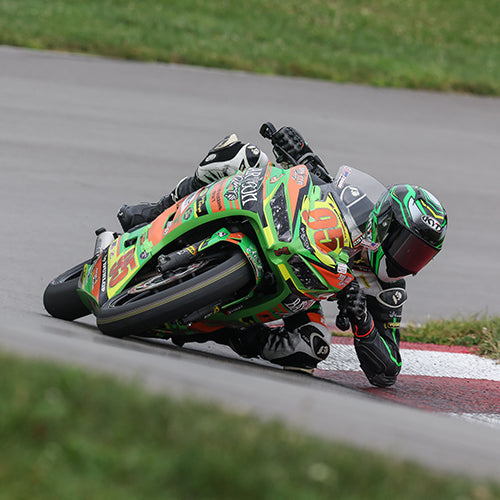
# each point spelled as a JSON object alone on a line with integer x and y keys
{"x": 60, "y": 298}
{"x": 127, "y": 314}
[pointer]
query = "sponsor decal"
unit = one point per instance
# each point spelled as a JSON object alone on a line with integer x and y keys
{"x": 344, "y": 174}
{"x": 112, "y": 248}
{"x": 328, "y": 233}
{"x": 95, "y": 276}
{"x": 250, "y": 185}
{"x": 104, "y": 275}
{"x": 188, "y": 213}
{"x": 201, "y": 206}
{"x": 393, "y": 298}
{"x": 392, "y": 325}
{"x": 304, "y": 238}
{"x": 296, "y": 304}
{"x": 432, "y": 223}
{"x": 233, "y": 188}
{"x": 299, "y": 175}
{"x": 274, "y": 179}
{"x": 120, "y": 269}
{"x": 365, "y": 243}
{"x": 342, "y": 268}
{"x": 187, "y": 201}
{"x": 216, "y": 198}
{"x": 253, "y": 149}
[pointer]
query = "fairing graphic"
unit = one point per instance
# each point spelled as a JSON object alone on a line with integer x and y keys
{"x": 297, "y": 234}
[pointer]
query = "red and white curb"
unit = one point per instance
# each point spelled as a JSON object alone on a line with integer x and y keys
{"x": 445, "y": 379}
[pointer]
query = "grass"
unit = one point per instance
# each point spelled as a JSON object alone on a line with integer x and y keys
{"x": 449, "y": 45}
{"x": 67, "y": 434}
{"x": 478, "y": 331}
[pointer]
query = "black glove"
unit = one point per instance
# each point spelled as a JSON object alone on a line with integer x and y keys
{"x": 351, "y": 302}
{"x": 291, "y": 148}
{"x": 293, "y": 144}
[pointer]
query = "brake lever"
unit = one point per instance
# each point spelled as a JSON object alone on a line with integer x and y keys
{"x": 268, "y": 130}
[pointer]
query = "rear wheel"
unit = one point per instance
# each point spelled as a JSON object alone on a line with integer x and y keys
{"x": 60, "y": 298}
{"x": 211, "y": 280}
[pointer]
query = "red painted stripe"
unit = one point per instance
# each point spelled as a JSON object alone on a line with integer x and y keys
{"x": 436, "y": 347}
{"x": 439, "y": 394}
{"x": 417, "y": 346}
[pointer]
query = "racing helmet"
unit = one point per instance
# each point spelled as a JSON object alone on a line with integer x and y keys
{"x": 406, "y": 228}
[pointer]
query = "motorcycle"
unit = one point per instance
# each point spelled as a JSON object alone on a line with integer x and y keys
{"x": 251, "y": 248}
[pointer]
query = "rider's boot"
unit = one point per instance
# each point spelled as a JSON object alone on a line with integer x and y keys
{"x": 142, "y": 213}
{"x": 226, "y": 158}
{"x": 301, "y": 349}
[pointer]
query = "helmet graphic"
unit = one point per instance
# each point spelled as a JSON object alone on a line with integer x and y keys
{"x": 409, "y": 225}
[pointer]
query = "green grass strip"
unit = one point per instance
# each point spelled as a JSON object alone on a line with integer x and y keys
{"x": 68, "y": 434}
{"x": 449, "y": 45}
{"x": 479, "y": 331}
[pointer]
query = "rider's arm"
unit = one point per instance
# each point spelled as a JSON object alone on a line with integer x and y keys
{"x": 375, "y": 322}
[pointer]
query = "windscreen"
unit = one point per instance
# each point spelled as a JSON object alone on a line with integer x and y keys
{"x": 356, "y": 194}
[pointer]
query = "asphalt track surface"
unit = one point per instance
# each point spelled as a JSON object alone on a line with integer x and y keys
{"x": 80, "y": 135}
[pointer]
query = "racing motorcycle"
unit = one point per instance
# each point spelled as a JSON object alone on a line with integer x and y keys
{"x": 251, "y": 248}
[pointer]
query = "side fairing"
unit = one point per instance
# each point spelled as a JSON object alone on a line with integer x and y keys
{"x": 300, "y": 238}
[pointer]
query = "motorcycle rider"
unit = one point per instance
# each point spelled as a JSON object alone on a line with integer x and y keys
{"x": 406, "y": 229}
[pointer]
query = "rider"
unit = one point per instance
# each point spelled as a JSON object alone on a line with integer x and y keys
{"x": 406, "y": 229}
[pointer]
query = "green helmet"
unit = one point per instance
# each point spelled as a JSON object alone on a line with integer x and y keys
{"x": 407, "y": 227}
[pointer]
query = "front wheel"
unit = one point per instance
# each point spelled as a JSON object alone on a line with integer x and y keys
{"x": 159, "y": 300}
{"x": 60, "y": 298}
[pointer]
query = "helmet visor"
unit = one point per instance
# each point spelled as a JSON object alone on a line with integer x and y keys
{"x": 405, "y": 251}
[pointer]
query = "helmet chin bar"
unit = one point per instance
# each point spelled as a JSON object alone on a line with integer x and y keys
{"x": 387, "y": 275}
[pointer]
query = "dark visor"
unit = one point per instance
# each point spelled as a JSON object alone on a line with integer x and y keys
{"x": 406, "y": 250}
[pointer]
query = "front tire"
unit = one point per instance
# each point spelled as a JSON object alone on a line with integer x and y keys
{"x": 217, "y": 281}
{"x": 60, "y": 298}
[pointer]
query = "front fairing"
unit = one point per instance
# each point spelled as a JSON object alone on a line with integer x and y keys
{"x": 305, "y": 235}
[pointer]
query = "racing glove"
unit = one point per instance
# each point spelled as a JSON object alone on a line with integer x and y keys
{"x": 351, "y": 302}
{"x": 292, "y": 143}
{"x": 291, "y": 148}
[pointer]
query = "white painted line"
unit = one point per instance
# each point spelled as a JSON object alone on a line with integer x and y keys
{"x": 423, "y": 363}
